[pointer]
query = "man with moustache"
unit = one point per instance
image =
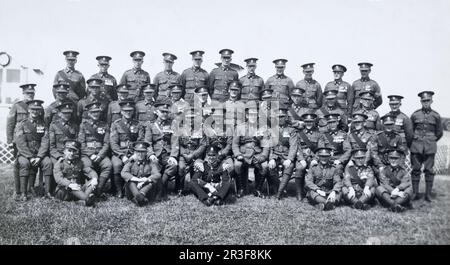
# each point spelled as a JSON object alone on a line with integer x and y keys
{"x": 76, "y": 81}
{"x": 221, "y": 76}
{"x": 194, "y": 77}
{"x": 164, "y": 79}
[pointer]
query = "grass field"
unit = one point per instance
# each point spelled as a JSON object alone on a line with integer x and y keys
{"x": 249, "y": 221}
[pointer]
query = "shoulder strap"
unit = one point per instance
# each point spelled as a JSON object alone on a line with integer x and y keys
{"x": 306, "y": 140}
{"x": 331, "y": 141}
{"x": 66, "y": 78}
{"x": 358, "y": 140}
{"x": 90, "y": 128}
{"x": 66, "y": 131}
{"x": 294, "y": 114}
{"x": 123, "y": 126}
{"x": 355, "y": 176}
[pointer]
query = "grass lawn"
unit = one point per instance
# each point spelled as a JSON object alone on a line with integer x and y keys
{"x": 250, "y": 221}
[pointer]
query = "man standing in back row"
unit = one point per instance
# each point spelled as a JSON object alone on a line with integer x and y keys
{"x": 427, "y": 127}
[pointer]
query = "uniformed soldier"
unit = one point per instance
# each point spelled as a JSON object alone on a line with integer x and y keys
{"x": 142, "y": 178}
{"x": 365, "y": 84}
{"x": 145, "y": 109}
{"x": 178, "y": 105}
{"x": 427, "y": 127}
{"x": 114, "y": 109}
{"x": 221, "y": 76}
{"x": 281, "y": 84}
{"x": 331, "y": 106}
{"x": 94, "y": 139}
{"x": 252, "y": 84}
{"x": 313, "y": 90}
{"x": 61, "y": 130}
{"x": 266, "y": 105}
{"x": 337, "y": 140}
{"x": 136, "y": 77}
{"x": 212, "y": 185}
{"x": 250, "y": 150}
{"x": 194, "y": 77}
{"x": 94, "y": 95}
{"x": 234, "y": 107}
{"x": 32, "y": 142}
{"x": 192, "y": 144}
{"x": 165, "y": 78}
{"x": 283, "y": 152}
{"x": 75, "y": 79}
{"x": 395, "y": 184}
{"x": 373, "y": 123}
{"x": 51, "y": 112}
{"x": 384, "y": 141}
{"x": 18, "y": 113}
{"x": 124, "y": 132}
{"x": 164, "y": 146}
{"x": 220, "y": 135}
{"x": 202, "y": 104}
{"x": 109, "y": 84}
{"x": 359, "y": 181}
{"x": 75, "y": 180}
{"x": 359, "y": 137}
{"x": 323, "y": 182}
{"x": 344, "y": 89}
{"x": 297, "y": 108}
{"x": 308, "y": 140}
{"x": 403, "y": 125}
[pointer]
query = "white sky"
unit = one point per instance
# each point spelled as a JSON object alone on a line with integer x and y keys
{"x": 408, "y": 41}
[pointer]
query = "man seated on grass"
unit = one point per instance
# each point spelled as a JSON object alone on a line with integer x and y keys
{"x": 211, "y": 182}
{"x": 359, "y": 182}
{"x": 142, "y": 178}
{"x": 395, "y": 188}
{"x": 323, "y": 182}
{"x": 70, "y": 174}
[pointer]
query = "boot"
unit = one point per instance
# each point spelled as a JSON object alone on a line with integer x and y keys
{"x": 415, "y": 186}
{"x": 428, "y": 188}
{"x": 283, "y": 184}
{"x": 387, "y": 199}
{"x": 118, "y": 184}
{"x": 31, "y": 182}
{"x": 17, "y": 179}
{"x": 24, "y": 188}
{"x": 299, "y": 189}
{"x": 48, "y": 188}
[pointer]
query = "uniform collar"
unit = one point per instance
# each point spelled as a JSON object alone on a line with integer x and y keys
{"x": 338, "y": 81}
{"x": 135, "y": 70}
{"x": 225, "y": 68}
{"x": 196, "y": 69}
{"x": 365, "y": 79}
{"x": 309, "y": 81}
{"x": 281, "y": 76}
{"x": 68, "y": 70}
{"x": 426, "y": 110}
{"x": 168, "y": 72}
{"x": 105, "y": 74}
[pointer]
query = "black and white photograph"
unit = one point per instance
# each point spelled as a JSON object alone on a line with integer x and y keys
{"x": 231, "y": 123}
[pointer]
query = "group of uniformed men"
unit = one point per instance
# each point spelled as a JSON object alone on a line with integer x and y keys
{"x": 142, "y": 135}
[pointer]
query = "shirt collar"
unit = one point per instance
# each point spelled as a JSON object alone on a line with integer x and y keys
{"x": 365, "y": 79}
{"x": 135, "y": 70}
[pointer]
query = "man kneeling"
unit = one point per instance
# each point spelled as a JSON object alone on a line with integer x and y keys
{"x": 359, "y": 182}
{"x": 210, "y": 182}
{"x": 142, "y": 177}
{"x": 395, "y": 184}
{"x": 70, "y": 174}
{"x": 323, "y": 182}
